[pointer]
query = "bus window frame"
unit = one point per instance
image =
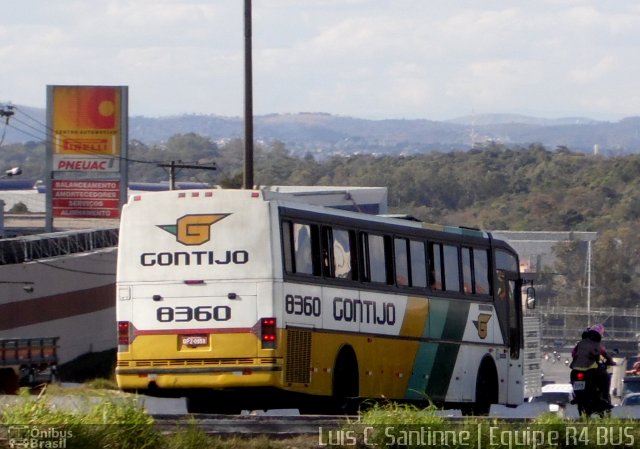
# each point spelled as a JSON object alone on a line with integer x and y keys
{"x": 407, "y": 262}
{"x": 327, "y": 244}
{"x": 389, "y": 232}
{"x": 290, "y": 254}
{"x": 387, "y": 248}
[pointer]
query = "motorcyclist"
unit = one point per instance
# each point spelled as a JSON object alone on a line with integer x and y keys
{"x": 587, "y": 355}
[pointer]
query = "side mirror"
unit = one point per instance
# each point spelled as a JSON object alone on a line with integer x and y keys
{"x": 531, "y": 298}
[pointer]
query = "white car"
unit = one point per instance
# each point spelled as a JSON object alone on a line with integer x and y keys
{"x": 556, "y": 395}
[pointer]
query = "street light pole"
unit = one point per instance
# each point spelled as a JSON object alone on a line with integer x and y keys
{"x": 15, "y": 171}
{"x": 589, "y": 283}
{"x": 248, "y": 99}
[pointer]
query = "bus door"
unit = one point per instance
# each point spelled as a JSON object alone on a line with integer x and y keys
{"x": 509, "y": 310}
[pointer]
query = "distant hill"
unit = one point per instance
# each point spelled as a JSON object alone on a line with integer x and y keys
{"x": 321, "y": 132}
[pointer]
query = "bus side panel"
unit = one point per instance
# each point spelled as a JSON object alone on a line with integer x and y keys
{"x": 368, "y": 322}
{"x": 458, "y": 335}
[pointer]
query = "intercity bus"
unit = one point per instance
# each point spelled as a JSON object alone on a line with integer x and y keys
{"x": 237, "y": 299}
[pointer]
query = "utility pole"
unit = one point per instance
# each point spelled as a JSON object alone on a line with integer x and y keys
{"x": 172, "y": 170}
{"x": 589, "y": 283}
{"x": 248, "y": 99}
{"x": 7, "y": 112}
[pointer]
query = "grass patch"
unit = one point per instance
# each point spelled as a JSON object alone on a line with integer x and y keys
{"x": 116, "y": 422}
{"x": 121, "y": 422}
{"x": 406, "y": 426}
{"x": 96, "y": 387}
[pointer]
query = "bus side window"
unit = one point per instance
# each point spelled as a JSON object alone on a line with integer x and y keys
{"x": 451, "y": 269}
{"x": 467, "y": 279}
{"x": 435, "y": 266}
{"x": 338, "y": 253}
{"x": 418, "y": 266}
{"x": 375, "y": 258}
{"x": 342, "y": 254}
{"x": 481, "y": 271}
{"x": 401, "y": 264}
{"x": 287, "y": 245}
{"x": 302, "y": 248}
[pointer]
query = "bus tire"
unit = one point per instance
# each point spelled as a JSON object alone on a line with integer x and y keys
{"x": 486, "y": 387}
{"x": 346, "y": 381}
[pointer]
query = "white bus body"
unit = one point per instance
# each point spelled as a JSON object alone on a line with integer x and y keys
{"x": 214, "y": 303}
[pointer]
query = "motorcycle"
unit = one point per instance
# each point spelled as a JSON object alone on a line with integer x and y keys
{"x": 587, "y": 392}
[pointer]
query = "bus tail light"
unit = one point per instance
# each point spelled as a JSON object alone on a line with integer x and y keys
{"x": 123, "y": 333}
{"x": 268, "y": 331}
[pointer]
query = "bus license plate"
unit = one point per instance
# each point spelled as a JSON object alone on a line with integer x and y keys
{"x": 578, "y": 385}
{"x": 194, "y": 340}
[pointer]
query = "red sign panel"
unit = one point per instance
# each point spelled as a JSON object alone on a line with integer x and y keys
{"x": 86, "y": 198}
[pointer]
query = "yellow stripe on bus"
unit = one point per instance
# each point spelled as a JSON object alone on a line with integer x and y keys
{"x": 415, "y": 317}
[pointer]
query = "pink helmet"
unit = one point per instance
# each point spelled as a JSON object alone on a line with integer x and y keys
{"x": 599, "y": 328}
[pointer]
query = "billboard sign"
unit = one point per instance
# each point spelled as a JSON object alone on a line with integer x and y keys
{"x": 87, "y": 149}
{"x": 86, "y": 198}
{"x": 86, "y": 123}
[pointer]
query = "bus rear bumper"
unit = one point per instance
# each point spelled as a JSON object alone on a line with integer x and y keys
{"x": 158, "y": 379}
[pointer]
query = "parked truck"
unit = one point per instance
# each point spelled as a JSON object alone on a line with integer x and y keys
{"x": 27, "y": 362}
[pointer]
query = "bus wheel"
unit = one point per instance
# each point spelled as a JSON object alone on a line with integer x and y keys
{"x": 486, "y": 387}
{"x": 346, "y": 381}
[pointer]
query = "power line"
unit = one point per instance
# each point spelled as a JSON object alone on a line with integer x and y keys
{"x": 48, "y": 130}
{"x": 73, "y": 270}
{"x": 28, "y": 125}
{"x": 10, "y": 111}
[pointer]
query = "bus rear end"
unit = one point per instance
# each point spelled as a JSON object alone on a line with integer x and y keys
{"x": 194, "y": 295}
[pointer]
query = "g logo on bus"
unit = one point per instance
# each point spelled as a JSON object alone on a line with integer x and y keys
{"x": 481, "y": 324}
{"x": 193, "y": 229}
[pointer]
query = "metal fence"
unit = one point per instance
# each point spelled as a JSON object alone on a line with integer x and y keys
{"x": 33, "y": 247}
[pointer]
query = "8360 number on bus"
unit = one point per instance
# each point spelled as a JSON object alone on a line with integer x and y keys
{"x": 183, "y": 314}
{"x": 302, "y": 305}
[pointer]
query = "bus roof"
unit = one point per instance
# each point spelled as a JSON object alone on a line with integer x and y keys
{"x": 320, "y": 200}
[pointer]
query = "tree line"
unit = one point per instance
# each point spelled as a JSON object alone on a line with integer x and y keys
{"x": 493, "y": 187}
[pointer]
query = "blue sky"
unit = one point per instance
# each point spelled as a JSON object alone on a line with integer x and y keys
{"x": 432, "y": 59}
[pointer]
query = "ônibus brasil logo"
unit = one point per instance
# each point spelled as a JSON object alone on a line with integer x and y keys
{"x": 193, "y": 229}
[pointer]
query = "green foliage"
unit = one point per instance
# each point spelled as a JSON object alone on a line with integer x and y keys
{"x": 189, "y": 436}
{"x": 19, "y": 208}
{"x": 494, "y": 187}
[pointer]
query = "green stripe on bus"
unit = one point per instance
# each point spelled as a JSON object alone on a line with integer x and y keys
{"x": 435, "y": 362}
{"x": 423, "y": 366}
{"x": 457, "y": 316}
